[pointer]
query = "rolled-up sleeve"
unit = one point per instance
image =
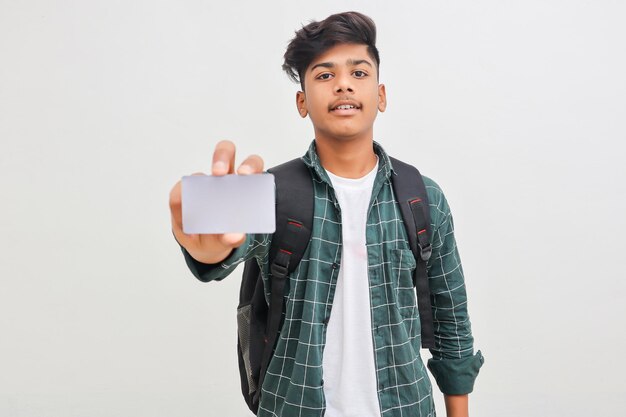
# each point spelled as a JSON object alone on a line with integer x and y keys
{"x": 255, "y": 245}
{"x": 454, "y": 364}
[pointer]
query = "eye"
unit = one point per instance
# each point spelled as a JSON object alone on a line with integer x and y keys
{"x": 359, "y": 74}
{"x": 324, "y": 76}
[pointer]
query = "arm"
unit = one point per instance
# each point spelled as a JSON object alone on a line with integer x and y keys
{"x": 215, "y": 252}
{"x": 253, "y": 246}
{"x": 457, "y": 405}
{"x": 454, "y": 364}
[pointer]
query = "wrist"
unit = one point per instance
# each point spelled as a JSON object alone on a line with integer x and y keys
{"x": 457, "y": 405}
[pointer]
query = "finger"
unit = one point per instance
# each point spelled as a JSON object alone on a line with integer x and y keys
{"x": 224, "y": 158}
{"x": 183, "y": 239}
{"x": 232, "y": 240}
{"x": 252, "y": 165}
{"x": 176, "y": 203}
{"x": 176, "y": 206}
{"x": 177, "y": 217}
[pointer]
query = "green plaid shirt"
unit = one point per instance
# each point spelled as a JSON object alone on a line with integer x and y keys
{"x": 294, "y": 382}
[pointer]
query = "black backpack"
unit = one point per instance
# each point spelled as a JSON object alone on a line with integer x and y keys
{"x": 259, "y": 323}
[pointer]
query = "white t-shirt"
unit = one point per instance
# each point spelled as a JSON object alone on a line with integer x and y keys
{"x": 348, "y": 361}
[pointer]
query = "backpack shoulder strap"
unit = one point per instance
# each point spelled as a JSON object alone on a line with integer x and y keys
{"x": 411, "y": 195}
{"x": 294, "y": 208}
{"x": 294, "y": 220}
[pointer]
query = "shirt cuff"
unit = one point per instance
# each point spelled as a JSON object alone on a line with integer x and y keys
{"x": 456, "y": 376}
{"x": 218, "y": 271}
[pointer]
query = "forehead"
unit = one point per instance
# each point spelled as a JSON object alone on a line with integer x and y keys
{"x": 343, "y": 54}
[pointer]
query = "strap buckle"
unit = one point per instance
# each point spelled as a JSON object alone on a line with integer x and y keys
{"x": 279, "y": 271}
{"x": 425, "y": 251}
{"x": 280, "y": 265}
{"x": 423, "y": 243}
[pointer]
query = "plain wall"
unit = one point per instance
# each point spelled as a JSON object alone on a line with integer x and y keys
{"x": 517, "y": 109}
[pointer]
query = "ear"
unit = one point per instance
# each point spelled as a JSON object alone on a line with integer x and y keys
{"x": 301, "y": 104}
{"x": 382, "y": 98}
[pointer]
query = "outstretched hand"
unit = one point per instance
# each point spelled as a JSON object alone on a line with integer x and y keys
{"x": 212, "y": 248}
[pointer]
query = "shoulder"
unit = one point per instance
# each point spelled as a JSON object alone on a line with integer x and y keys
{"x": 433, "y": 190}
{"x": 439, "y": 208}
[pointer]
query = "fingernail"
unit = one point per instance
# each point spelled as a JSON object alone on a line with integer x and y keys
{"x": 245, "y": 169}
{"x": 220, "y": 166}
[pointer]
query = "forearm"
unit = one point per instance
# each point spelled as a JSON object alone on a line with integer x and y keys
{"x": 254, "y": 245}
{"x": 454, "y": 364}
{"x": 457, "y": 405}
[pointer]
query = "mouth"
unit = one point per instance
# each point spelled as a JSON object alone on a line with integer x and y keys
{"x": 345, "y": 107}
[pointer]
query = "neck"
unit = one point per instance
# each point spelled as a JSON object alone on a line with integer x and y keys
{"x": 348, "y": 159}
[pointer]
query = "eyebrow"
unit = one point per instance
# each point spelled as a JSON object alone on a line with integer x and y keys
{"x": 349, "y": 62}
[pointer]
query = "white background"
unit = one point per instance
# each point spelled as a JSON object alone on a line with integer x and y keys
{"x": 516, "y": 109}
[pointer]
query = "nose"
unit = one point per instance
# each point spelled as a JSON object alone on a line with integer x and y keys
{"x": 343, "y": 84}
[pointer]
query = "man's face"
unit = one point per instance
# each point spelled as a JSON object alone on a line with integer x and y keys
{"x": 342, "y": 95}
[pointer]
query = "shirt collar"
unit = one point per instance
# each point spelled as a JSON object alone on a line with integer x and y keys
{"x": 312, "y": 160}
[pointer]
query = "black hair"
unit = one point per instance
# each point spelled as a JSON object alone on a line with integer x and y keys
{"x": 317, "y": 37}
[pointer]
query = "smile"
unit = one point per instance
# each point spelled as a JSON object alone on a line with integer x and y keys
{"x": 345, "y": 107}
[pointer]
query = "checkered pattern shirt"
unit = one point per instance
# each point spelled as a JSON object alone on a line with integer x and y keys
{"x": 294, "y": 382}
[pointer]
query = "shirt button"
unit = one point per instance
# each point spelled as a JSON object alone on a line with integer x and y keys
{"x": 326, "y": 320}
{"x": 335, "y": 265}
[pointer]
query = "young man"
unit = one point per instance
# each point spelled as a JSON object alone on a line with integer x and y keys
{"x": 350, "y": 342}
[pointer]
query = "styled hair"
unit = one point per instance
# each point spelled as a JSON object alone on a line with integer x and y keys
{"x": 317, "y": 37}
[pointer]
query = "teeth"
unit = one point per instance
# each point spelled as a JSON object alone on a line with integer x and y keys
{"x": 345, "y": 107}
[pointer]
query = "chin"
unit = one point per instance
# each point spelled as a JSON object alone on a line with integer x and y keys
{"x": 347, "y": 131}
{"x": 343, "y": 133}
{"x": 346, "y": 137}
{"x": 348, "y": 134}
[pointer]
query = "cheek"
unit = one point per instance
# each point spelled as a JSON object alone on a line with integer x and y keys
{"x": 316, "y": 107}
{"x": 373, "y": 103}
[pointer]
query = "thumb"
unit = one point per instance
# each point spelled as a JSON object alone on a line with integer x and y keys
{"x": 233, "y": 240}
